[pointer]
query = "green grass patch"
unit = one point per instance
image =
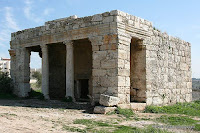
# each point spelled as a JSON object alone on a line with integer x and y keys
{"x": 95, "y": 126}
{"x": 197, "y": 127}
{"x": 176, "y": 120}
{"x": 74, "y": 129}
{"x": 102, "y": 127}
{"x": 191, "y": 109}
{"x": 124, "y": 112}
{"x": 179, "y": 121}
{"x": 149, "y": 129}
{"x": 36, "y": 94}
{"x": 88, "y": 122}
{"x": 125, "y": 129}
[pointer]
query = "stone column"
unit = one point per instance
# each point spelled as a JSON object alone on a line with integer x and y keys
{"x": 45, "y": 71}
{"x": 69, "y": 69}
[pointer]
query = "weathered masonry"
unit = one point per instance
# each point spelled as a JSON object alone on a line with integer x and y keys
{"x": 112, "y": 53}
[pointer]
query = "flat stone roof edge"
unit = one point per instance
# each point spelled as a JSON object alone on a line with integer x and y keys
{"x": 96, "y": 16}
{"x": 75, "y": 17}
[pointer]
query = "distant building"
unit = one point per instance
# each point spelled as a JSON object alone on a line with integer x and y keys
{"x": 5, "y": 65}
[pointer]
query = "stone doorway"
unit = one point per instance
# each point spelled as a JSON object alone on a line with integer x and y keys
{"x": 82, "y": 69}
{"x": 35, "y": 57}
{"x": 137, "y": 71}
{"x": 57, "y": 70}
{"x": 33, "y": 51}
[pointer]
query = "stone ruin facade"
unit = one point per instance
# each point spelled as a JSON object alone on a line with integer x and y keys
{"x": 112, "y": 53}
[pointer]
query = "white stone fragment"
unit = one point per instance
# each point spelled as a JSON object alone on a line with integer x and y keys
{"x": 109, "y": 101}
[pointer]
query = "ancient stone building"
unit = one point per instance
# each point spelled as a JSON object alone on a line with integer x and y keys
{"x": 112, "y": 53}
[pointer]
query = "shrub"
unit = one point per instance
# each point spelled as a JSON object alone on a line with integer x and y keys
{"x": 38, "y": 76}
{"x": 5, "y": 83}
{"x": 36, "y": 94}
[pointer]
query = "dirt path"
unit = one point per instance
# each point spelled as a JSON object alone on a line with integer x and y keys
{"x": 41, "y": 116}
{"x": 36, "y": 116}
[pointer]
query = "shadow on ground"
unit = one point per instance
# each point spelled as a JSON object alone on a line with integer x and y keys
{"x": 55, "y": 104}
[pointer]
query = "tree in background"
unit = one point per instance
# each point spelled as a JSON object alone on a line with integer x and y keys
{"x": 5, "y": 83}
{"x": 38, "y": 76}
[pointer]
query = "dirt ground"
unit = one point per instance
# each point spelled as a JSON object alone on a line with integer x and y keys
{"x": 37, "y": 116}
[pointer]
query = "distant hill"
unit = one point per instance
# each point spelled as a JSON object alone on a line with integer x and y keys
{"x": 195, "y": 83}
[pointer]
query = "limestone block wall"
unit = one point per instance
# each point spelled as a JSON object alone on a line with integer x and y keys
{"x": 105, "y": 74}
{"x": 168, "y": 70}
{"x": 168, "y": 62}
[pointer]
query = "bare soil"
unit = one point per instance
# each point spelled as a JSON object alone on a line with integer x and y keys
{"x": 38, "y": 116}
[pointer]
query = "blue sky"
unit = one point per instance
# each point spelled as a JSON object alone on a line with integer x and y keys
{"x": 179, "y": 18}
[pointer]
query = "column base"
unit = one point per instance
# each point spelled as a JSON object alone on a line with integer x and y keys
{"x": 70, "y": 99}
{"x": 47, "y": 97}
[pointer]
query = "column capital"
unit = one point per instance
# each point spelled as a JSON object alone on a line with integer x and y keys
{"x": 68, "y": 42}
{"x": 43, "y": 46}
{"x": 12, "y": 52}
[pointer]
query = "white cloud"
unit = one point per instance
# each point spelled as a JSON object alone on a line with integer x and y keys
{"x": 10, "y": 20}
{"x": 28, "y": 12}
{"x": 47, "y": 11}
{"x": 8, "y": 25}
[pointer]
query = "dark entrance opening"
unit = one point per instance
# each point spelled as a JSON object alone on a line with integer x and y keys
{"x": 57, "y": 70}
{"x": 82, "y": 69}
{"x": 137, "y": 71}
{"x": 84, "y": 88}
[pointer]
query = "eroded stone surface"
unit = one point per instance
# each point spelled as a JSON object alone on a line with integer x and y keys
{"x": 109, "y": 101}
